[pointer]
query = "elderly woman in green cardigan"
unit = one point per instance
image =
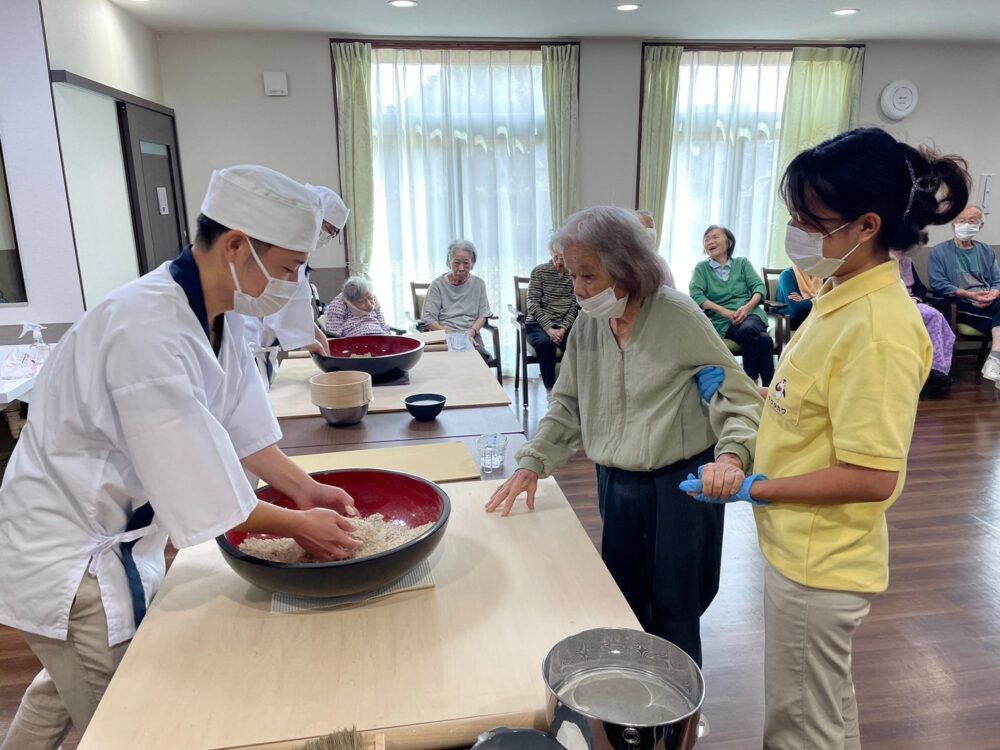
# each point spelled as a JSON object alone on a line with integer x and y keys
{"x": 627, "y": 392}
{"x": 731, "y": 292}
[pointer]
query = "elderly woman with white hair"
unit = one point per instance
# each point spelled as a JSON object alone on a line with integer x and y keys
{"x": 627, "y": 392}
{"x": 355, "y": 311}
{"x": 457, "y": 301}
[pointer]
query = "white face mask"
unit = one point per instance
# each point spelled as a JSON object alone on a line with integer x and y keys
{"x": 805, "y": 250}
{"x": 604, "y": 305}
{"x": 275, "y": 296}
{"x": 966, "y": 231}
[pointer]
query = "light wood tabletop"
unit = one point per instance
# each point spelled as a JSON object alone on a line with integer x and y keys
{"x": 462, "y": 377}
{"x": 504, "y": 471}
{"x": 211, "y": 667}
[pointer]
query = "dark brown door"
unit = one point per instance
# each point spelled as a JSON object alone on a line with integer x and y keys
{"x": 149, "y": 140}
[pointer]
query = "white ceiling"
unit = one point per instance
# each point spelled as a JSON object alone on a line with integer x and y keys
{"x": 973, "y": 20}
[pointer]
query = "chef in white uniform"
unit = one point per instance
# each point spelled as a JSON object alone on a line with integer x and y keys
{"x": 144, "y": 420}
{"x": 294, "y": 326}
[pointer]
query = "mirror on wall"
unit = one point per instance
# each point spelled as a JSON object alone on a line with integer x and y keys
{"x": 11, "y": 278}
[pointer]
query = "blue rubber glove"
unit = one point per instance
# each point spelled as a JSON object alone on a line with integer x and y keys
{"x": 709, "y": 379}
{"x": 693, "y": 484}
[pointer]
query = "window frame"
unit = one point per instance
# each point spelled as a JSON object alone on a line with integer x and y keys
{"x": 476, "y": 45}
{"x": 710, "y": 46}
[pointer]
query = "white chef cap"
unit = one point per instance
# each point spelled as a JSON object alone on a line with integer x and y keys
{"x": 266, "y": 205}
{"x": 335, "y": 210}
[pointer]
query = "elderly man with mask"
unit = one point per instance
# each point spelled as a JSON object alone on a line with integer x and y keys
{"x": 294, "y": 326}
{"x": 143, "y": 423}
{"x": 967, "y": 270}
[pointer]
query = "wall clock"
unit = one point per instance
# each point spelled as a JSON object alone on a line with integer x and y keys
{"x": 899, "y": 99}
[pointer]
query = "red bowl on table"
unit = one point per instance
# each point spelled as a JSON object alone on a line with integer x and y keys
{"x": 385, "y": 358}
{"x": 397, "y": 496}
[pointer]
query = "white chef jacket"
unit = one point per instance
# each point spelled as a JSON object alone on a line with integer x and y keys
{"x": 292, "y": 327}
{"x": 133, "y": 406}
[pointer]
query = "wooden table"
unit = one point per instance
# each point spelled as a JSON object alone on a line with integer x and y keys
{"x": 514, "y": 441}
{"x": 211, "y": 667}
{"x": 462, "y": 377}
{"x": 377, "y": 428}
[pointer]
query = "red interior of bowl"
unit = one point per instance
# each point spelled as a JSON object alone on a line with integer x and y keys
{"x": 396, "y": 496}
{"x": 377, "y": 346}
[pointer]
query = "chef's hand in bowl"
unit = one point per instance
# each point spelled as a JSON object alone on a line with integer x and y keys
{"x": 325, "y": 534}
{"x": 328, "y": 496}
{"x": 507, "y": 493}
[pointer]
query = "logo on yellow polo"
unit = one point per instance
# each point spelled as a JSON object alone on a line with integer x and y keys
{"x": 773, "y": 400}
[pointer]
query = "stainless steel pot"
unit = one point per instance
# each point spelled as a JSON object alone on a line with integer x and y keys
{"x": 617, "y": 689}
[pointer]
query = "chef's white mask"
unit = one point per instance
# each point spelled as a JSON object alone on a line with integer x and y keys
{"x": 275, "y": 296}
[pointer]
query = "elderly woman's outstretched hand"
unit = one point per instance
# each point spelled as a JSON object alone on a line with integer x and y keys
{"x": 507, "y": 493}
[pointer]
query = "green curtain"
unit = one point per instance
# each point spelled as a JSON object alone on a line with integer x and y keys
{"x": 561, "y": 90}
{"x": 352, "y": 63}
{"x": 822, "y": 99}
{"x": 660, "y": 66}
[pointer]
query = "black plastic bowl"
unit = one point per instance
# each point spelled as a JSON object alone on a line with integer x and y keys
{"x": 424, "y": 406}
{"x": 391, "y": 356}
{"x": 397, "y": 496}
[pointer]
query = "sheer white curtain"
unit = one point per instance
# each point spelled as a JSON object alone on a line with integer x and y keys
{"x": 724, "y": 156}
{"x": 459, "y": 152}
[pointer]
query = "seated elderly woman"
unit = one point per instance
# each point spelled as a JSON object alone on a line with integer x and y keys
{"x": 457, "y": 301}
{"x": 796, "y": 291}
{"x": 355, "y": 311}
{"x": 627, "y": 392}
{"x": 552, "y": 310}
{"x": 730, "y": 291}
{"x": 938, "y": 328}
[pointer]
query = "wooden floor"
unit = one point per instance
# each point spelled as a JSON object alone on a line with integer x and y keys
{"x": 926, "y": 661}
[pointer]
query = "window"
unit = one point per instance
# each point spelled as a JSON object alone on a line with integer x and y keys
{"x": 724, "y": 157}
{"x": 459, "y": 153}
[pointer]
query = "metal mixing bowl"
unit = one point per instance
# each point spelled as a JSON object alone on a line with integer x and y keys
{"x": 344, "y": 417}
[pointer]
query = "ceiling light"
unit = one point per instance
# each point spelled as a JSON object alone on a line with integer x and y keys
{"x": 628, "y": 6}
{"x": 402, "y": 3}
{"x": 845, "y": 12}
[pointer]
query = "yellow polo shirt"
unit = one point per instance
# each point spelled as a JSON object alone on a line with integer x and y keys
{"x": 845, "y": 392}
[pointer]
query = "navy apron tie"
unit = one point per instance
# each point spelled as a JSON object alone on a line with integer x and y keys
{"x": 140, "y": 519}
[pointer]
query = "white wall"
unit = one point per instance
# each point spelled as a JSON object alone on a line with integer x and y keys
{"x": 958, "y": 108}
{"x": 610, "y": 71}
{"x": 101, "y": 41}
{"x": 34, "y": 172}
{"x": 98, "y": 193}
{"x": 213, "y": 83}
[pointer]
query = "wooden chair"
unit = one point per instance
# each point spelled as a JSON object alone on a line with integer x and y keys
{"x": 525, "y": 352}
{"x": 963, "y": 333}
{"x": 418, "y": 291}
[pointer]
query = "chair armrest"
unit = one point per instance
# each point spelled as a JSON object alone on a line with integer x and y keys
{"x": 518, "y": 319}
{"x": 397, "y": 331}
{"x": 773, "y": 306}
{"x": 418, "y": 325}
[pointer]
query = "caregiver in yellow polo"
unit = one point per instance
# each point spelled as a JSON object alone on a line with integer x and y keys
{"x": 837, "y": 421}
